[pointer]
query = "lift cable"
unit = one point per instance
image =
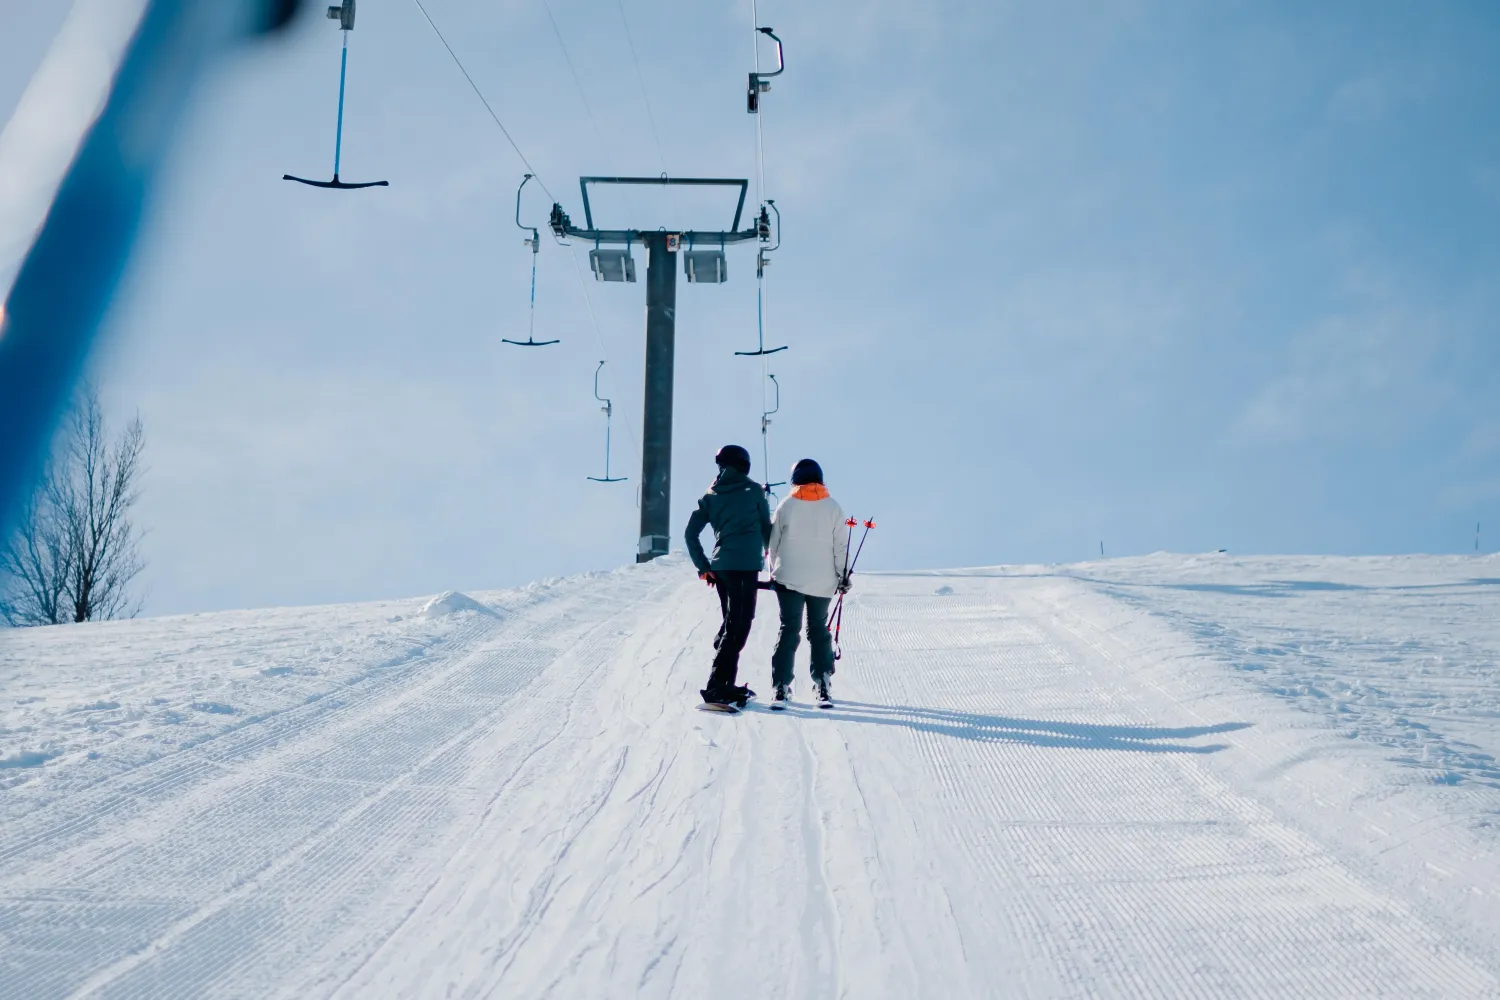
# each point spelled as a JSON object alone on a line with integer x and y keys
{"x": 583, "y": 286}
{"x": 760, "y": 83}
{"x": 504, "y": 131}
{"x": 641, "y": 80}
{"x": 588, "y": 109}
{"x": 760, "y": 156}
{"x": 760, "y": 256}
{"x": 577, "y": 82}
{"x": 577, "y": 268}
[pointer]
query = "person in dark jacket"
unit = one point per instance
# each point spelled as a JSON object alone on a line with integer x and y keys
{"x": 735, "y": 506}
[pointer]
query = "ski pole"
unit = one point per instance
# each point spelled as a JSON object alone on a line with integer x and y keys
{"x": 870, "y": 523}
{"x": 838, "y": 606}
{"x": 850, "y": 524}
{"x": 849, "y": 564}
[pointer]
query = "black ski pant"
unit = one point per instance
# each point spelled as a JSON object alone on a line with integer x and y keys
{"x": 737, "y": 593}
{"x": 793, "y": 604}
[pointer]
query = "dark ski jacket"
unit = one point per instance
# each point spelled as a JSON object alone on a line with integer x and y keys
{"x": 736, "y": 507}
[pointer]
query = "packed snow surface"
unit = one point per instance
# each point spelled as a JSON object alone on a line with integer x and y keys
{"x": 1160, "y": 777}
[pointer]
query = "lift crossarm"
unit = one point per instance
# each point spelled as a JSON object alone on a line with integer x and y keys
{"x": 563, "y": 227}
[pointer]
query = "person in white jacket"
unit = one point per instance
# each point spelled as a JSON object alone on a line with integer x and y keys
{"x": 809, "y": 556}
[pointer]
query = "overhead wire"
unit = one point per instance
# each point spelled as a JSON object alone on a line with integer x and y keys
{"x": 760, "y": 277}
{"x": 583, "y": 286}
{"x": 478, "y": 93}
{"x": 572, "y": 70}
{"x": 641, "y": 80}
{"x": 588, "y": 109}
{"x": 572, "y": 255}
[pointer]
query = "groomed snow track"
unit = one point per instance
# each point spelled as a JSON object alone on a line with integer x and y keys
{"x": 1002, "y": 804}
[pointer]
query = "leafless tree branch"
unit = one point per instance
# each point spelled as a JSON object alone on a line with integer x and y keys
{"x": 77, "y": 550}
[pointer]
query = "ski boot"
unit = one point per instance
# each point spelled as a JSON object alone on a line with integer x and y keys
{"x": 825, "y": 699}
{"x": 781, "y": 698}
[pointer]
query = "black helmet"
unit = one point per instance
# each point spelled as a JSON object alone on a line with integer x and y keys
{"x": 732, "y": 456}
{"x": 806, "y": 471}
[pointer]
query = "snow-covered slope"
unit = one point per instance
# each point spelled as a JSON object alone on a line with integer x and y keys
{"x": 1160, "y": 777}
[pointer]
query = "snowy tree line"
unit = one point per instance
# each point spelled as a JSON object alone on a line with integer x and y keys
{"x": 76, "y": 550}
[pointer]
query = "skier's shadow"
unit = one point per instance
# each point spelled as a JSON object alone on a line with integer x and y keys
{"x": 1035, "y": 732}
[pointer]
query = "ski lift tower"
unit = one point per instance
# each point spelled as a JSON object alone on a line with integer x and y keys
{"x": 703, "y": 261}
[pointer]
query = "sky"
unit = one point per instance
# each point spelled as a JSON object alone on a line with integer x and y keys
{"x": 1139, "y": 274}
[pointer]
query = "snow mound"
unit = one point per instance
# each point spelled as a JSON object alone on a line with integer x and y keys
{"x": 451, "y": 602}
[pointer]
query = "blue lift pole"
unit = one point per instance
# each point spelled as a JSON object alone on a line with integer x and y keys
{"x": 67, "y": 282}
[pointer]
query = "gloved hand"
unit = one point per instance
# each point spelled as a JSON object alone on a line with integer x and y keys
{"x": 846, "y": 585}
{"x": 709, "y": 578}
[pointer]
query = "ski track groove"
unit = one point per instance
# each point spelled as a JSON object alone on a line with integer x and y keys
{"x": 388, "y": 835}
{"x": 996, "y": 806}
{"x": 1098, "y": 906}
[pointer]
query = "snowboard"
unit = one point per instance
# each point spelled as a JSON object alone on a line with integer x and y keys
{"x": 723, "y": 709}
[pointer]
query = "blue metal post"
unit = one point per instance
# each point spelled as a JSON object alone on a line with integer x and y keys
{"x": 531, "y": 326}
{"x": 67, "y": 282}
{"x": 338, "y": 136}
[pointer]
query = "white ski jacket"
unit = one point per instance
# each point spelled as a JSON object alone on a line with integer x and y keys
{"x": 809, "y": 543}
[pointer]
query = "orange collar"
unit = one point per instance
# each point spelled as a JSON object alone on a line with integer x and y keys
{"x": 810, "y": 491}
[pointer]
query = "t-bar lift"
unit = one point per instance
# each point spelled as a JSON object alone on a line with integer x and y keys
{"x": 344, "y": 15}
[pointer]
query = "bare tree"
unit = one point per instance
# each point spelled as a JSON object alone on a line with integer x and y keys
{"x": 77, "y": 549}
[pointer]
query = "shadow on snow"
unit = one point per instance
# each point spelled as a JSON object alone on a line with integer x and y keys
{"x": 1034, "y": 732}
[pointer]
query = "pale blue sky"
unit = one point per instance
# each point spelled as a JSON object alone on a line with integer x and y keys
{"x": 1172, "y": 275}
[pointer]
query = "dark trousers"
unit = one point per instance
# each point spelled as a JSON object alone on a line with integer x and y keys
{"x": 737, "y": 593}
{"x": 792, "y": 605}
